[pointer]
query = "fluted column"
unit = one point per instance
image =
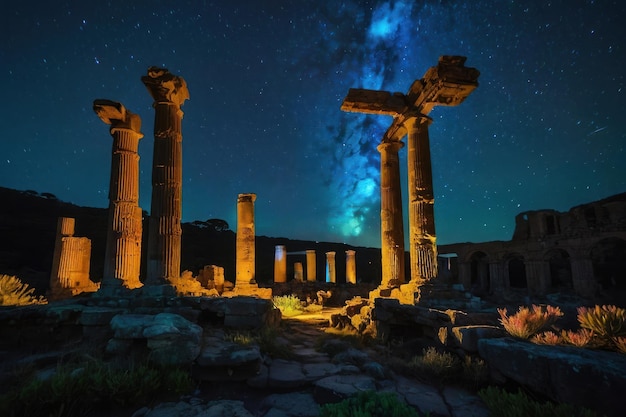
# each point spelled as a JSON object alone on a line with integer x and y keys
{"x": 245, "y": 256}
{"x": 122, "y": 260}
{"x": 351, "y": 267}
{"x": 280, "y": 264}
{"x": 422, "y": 238}
{"x": 164, "y": 235}
{"x": 311, "y": 268}
{"x": 391, "y": 223}
{"x": 331, "y": 272}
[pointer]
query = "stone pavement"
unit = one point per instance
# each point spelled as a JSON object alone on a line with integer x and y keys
{"x": 298, "y": 386}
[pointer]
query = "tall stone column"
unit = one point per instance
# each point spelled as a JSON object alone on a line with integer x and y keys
{"x": 280, "y": 264}
{"x": 298, "y": 273}
{"x": 391, "y": 223}
{"x": 122, "y": 260}
{"x": 331, "y": 272}
{"x": 422, "y": 238}
{"x": 351, "y": 267}
{"x": 245, "y": 256}
{"x": 164, "y": 234}
{"x": 311, "y": 268}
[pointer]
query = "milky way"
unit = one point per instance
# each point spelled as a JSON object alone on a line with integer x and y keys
{"x": 543, "y": 129}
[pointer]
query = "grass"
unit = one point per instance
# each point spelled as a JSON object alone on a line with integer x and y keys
{"x": 370, "y": 404}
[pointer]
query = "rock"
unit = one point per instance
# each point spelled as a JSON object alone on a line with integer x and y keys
{"x": 467, "y": 337}
{"x": 285, "y": 374}
{"x": 335, "y": 388}
{"x": 98, "y": 316}
{"x": 424, "y": 397}
{"x": 352, "y": 357}
{"x": 589, "y": 378}
{"x": 375, "y": 370}
{"x": 295, "y": 404}
{"x": 315, "y": 371}
{"x": 464, "y": 403}
{"x": 224, "y": 360}
{"x": 222, "y": 408}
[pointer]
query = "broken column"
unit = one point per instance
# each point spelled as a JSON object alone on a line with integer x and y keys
{"x": 122, "y": 260}
{"x": 298, "y": 272}
{"x": 70, "y": 263}
{"x": 331, "y": 274}
{"x": 422, "y": 238}
{"x": 245, "y": 256}
{"x": 310, "y": 265}
{"x": 351, "y": 267}
{"x": 164, "y": 234}
{"x": 391, "y": 223}
{"x": 280, "y": 264}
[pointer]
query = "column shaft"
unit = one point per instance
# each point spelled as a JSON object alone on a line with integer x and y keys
{"x": 422, "y": 238}
{"x": 245, "y": 256}
{"x": 331, "y": 271}
{"x": 350, "y": 267}
{"x": 391, "y": 222}
{"x": 280, "y": 264}
{"x": 311, "y": 268}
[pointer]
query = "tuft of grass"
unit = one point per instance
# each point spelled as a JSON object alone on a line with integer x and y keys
{"x": 529, "y": 321}
{"x": 607, "y": 321}
{"x": 289, "y": 305}
{"x": 13, "y": 292}
{"x": 546, "y": 338}
{"x": 370, "y": 404}
{"x": 502, "y": 403}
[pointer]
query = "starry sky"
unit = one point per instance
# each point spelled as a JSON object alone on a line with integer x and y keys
{"x": 544, "y": 129}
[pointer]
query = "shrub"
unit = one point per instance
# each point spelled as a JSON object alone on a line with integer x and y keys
{"x": 289, "y": 305}
{"x": 606, "y": 322}
{"x": 546, "y": 338}
{"x": 620, "y": 344}
{"x": 580, "y": 338}
{"x": 370, "y": 404}
{"x": 502, "y": 403}
{"x": 527, "y": 322}
{"x": 13, "y": 292}
{"x": 441, "y": 366}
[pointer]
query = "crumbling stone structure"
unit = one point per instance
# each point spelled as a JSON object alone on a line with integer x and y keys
{"x": 448, "y": 84}
{"x": 581, "y": 251}
{"x": 331, "y": 271}
{"x": 351, "y": 267}
{"x": 280, "y": 264}
{"x": 311, "y": 267}
{"x": 122, "y": 259}
{"x": 70, "y": 263}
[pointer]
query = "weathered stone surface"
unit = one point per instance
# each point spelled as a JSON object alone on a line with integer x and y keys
{"x": 338, "y": 387}
{"x": 242, "y": 312}
{"x": 593, "y": 379}
{"x": 424, "y": 397}
{"x": 467, "y": 337}
{"x": 297, "y": 404}
{"x": 315, "y": 371}
{"x": 98, "y": 316}
{"x": 222, "y": 408}
{"x": 463, "y": 403}
{"x": 285, "y": 374}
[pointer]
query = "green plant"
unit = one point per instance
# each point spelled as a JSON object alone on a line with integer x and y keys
{"x": 441, "y": 366}
{"x": 546, "y": 338}
{"x": 605, "y": 321}
{"x": 502, "y": 403}
{"x": 370, "y": 404}
{"x": 13, "y": 292}
{"x": 289, "y": 305}
{"x": 527, "y": 322}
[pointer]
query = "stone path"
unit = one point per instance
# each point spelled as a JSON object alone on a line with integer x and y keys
{"x": 296, "y": 387}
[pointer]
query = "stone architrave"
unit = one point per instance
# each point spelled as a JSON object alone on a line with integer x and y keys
{"x": 122, "y": 260}
{"x": 331, "y": 271}
{"x": 70, "y": 263}
{"x": 351, "y": 266}
{"x": 298, "y": 272}
{"x": 447, "y": 84}
{"x": 280, "y": 264}
{"x": 391, "y": 226}
{"x": 164, "y": 231}
{"x": 311, "y": 267}
{"x": 245, "y": 256}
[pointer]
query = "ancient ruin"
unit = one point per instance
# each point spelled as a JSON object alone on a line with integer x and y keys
{"x": 123, "y": 249}
{"x": 280, "y": 264}
{"x": 351, "y": 267}
{"x": 311, "y": 268}
{"x": 164, "y": 231}
{"x": 579, "y": 252}
{"x": 447, "y": 84}
{"x": 331, "y": 271}
{"x": 70, "y": 263}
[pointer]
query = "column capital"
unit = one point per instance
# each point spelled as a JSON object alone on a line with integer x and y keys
{"x": 414, "y": 119}
{"x": 165, "y": 87}
{"x": 246, "y": 198}
{"x": 115, "y": 114}
{"x": 390, "y": 145}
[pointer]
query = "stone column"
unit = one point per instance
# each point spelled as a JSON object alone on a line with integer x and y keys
{"x": 311, "y": 268}
{"x": 583, "y": 277}
{"x": 391, "y": 223}
{"x": 298, "y": 273}
{"x": 331, "y": 274}
{"x": 122, "y": 260}
{"x": 280, "y": 264}
{"x": 351, "y": 267}
{"x": 422, "y": 239}
{"x": 164, "y": 234}
{"x": 245, "y": 257}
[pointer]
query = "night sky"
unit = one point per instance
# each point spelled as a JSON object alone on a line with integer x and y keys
{"x": 544, "y": 129}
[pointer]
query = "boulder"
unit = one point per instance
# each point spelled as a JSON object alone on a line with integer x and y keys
{"x": 336, "y": 388}
{"x": 467, "y": 337}
{"x": 589, "y": 378}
